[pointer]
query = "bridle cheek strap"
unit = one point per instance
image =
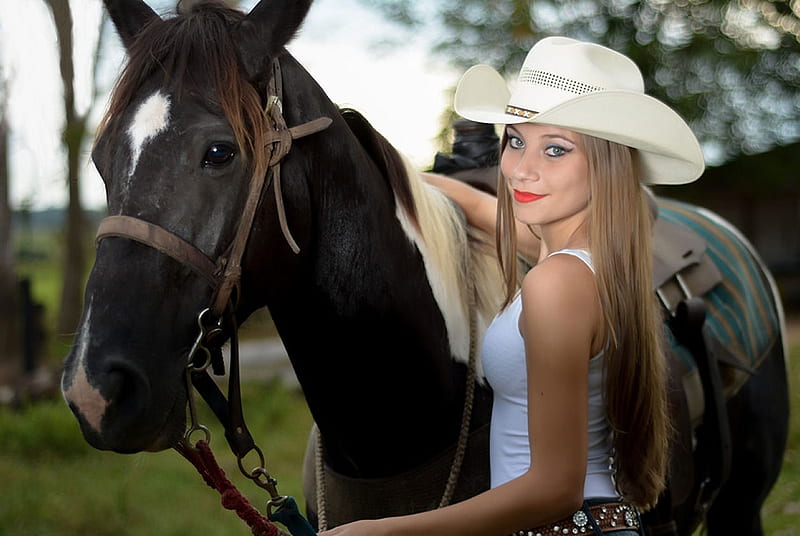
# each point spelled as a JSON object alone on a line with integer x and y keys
{"x": 283, "y": 138}
{"x": 279, "y": 144}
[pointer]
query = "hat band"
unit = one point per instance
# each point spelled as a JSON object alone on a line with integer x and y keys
{"x": 520, "y": 112}
{"x": 536, "y": 77}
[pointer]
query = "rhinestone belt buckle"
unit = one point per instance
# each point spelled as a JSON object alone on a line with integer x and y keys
{"x": 581, "y": 520}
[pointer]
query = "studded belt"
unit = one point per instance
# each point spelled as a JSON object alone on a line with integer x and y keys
{"x": 609, "y": 517}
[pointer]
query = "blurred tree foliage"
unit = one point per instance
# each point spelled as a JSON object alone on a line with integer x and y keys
{"x": 732, "y": 68}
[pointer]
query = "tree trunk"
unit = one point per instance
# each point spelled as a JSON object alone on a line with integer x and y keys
{"x": 10, "y": 333}
{"x": 73, "y": 135}
{"x": 75, "y": 239}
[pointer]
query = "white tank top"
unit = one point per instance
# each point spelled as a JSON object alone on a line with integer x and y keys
{"x": 503, "y": 356}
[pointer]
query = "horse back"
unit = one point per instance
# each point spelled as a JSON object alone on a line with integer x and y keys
{"x": 698, "y": 256}
{"x": 744, "y": 316}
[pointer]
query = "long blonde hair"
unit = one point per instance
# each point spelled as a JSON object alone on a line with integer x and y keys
{"x": 620, "y": 240}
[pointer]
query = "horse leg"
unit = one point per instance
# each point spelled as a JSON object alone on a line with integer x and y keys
{"x": 759, "y": 416}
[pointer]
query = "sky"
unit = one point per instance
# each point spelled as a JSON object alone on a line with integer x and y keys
{"x": 401, "y": 90}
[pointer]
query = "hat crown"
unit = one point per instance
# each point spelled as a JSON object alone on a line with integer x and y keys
{"x": 559, "y": 68}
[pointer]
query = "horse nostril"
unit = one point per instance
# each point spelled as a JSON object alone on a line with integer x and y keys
{"x": 127, "y": 389}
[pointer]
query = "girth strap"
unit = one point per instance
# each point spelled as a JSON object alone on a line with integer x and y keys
{"x": 715, "y": 434}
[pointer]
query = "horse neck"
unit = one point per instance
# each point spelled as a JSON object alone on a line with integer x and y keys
{"x": 358, "y": 318}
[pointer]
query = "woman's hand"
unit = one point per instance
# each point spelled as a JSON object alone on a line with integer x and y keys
{"x": 359, "y": 528}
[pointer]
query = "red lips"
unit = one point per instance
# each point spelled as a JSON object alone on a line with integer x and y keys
{"x": 526, "y": 197}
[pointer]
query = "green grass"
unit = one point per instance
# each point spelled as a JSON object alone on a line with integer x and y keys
{"x": 781, "y": 513}
{"x": 54, "y": 484}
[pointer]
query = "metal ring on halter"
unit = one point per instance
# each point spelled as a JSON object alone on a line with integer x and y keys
{"x": 194, "y": 424}
{"x": 187, "y": 435}
{"x": 198, "y": 343}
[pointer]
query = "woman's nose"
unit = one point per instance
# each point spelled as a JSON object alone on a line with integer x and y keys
{"x": 525, "y": 170}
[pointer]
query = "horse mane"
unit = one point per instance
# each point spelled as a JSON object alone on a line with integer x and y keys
{"x": 457, "y": 258}
{"x": 189, "y": 50}
{"x": 386, "y": 157}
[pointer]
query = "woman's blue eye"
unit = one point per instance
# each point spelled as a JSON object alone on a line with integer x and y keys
{"x": 515, "y": 142}
{"x": 555, "y": 150}
{"x": 218, "y": 155}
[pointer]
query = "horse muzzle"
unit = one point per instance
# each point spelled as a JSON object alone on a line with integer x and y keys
{"x": 117, "y": 408}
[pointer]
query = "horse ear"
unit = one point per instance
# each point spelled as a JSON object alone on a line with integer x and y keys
{"x": 129, "y": 16}
{"x": 267, "y": 28}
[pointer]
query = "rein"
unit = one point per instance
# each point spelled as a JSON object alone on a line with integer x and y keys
{"x": 224, "y": 275}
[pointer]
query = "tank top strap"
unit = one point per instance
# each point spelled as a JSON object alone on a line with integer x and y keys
{"x": 582, "y": 254}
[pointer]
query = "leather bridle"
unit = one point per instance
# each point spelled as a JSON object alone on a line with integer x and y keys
{"x": 224, "y": 275}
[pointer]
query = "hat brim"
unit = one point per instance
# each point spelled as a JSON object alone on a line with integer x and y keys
{"x": 670, "y": 152}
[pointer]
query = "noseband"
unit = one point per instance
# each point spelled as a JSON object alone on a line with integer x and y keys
{"x": 224, "y": 275}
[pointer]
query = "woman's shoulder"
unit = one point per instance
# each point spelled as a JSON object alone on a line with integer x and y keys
{"x": 559, "y": 272}
{"x": 561, "y": 288}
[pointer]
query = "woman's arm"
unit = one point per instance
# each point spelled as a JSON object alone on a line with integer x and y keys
{"x": 480, "y": 209}
{"x": 558, "y": 338}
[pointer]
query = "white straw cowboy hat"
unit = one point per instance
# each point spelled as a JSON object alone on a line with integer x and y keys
{"x": 590, "y": 89}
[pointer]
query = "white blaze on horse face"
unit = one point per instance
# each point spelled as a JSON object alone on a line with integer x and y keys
{"x": 82, "y": 394}
{"x": 150, "y": 119}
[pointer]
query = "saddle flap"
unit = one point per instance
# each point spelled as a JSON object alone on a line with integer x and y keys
{"x": 681, "y": 266}
{"x": 675, "y": 248}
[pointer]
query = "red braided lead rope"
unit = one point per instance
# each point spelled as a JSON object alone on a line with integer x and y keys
{"x": 231, "y": 498}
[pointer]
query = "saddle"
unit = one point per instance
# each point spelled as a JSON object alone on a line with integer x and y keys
{"x": 683, "y": 273}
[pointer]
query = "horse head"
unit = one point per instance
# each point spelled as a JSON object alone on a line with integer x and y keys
{"x": 184, "y": 136}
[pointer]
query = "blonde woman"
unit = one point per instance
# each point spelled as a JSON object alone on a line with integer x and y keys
{"x": 580, "y": 429}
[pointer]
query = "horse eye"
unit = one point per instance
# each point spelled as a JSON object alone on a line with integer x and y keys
{"x": 218, "y": 155}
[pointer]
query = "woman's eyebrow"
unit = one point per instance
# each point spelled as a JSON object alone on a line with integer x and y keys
{"x": 546, "y": 136}
{"x": 559, "y": 137}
